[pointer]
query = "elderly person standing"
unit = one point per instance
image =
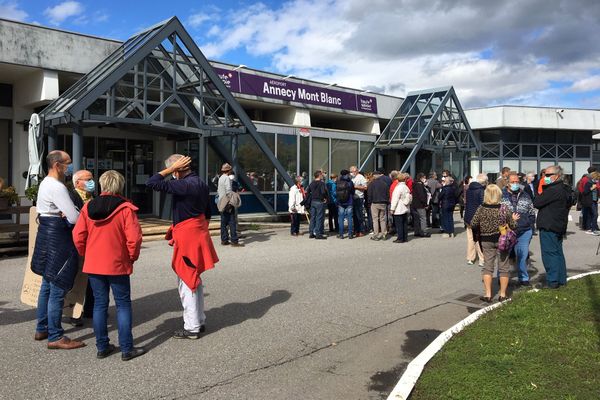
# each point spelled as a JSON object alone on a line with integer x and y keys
{"x": 109, "y": 236}
{"x": 379, "y": 196}
{"x": 193, "y": 250}
{"x": 487, "y": 219}
{"x": 55, "y": 257}
{"x": 400, "y": 206}
{"x": 447, "y": 204}
{"x": 473, "y": 199}
{"x": 516, "y": 200}
{"x": 228, "y": 222}
{"x": 295, "y": 207}
{"x": 84, "y": 185}
{"x": 553, "y": 206}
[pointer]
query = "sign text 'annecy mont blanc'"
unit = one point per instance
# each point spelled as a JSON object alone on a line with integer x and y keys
{"x": 262, "y": 86}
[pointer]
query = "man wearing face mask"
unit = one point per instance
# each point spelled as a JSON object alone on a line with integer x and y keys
{"x": 55, "y": 257}
{"x": 553, "y": 206}
{"x": 418, "y": 206}
{"x": 516, "y": 200}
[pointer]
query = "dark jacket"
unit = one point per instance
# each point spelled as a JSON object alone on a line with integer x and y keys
{"x": 419, "y": 195}
{"x": 350, "y": 200}
{"x": 586, "y": 197}
{"x": 554, "y": 204}
{"x": 521, "y": 204}
{"x": 473, "y": 199}
{"x": 448, "y": 197}
{"x": 317, "y": 191}
{"x": 379, "y": 191}
{"x": 531, "y": 192}
{"x": 54, "y": 256}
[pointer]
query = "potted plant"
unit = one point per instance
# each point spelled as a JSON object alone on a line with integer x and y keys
{"x": 8, "y": 197}
{"x": 31, "y": 193}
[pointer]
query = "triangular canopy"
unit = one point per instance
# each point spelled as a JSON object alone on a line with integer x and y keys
{"x": 430, "y": 119}
{"x": 157, "y": 78}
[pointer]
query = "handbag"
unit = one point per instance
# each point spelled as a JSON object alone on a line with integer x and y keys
{"x": 508, "y": 237}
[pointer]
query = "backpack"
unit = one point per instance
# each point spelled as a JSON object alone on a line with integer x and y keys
{"x": 342, "y": 190}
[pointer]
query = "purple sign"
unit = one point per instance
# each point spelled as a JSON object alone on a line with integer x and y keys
{"x": 263, "y": 86}
{"x": 231, "y": 79}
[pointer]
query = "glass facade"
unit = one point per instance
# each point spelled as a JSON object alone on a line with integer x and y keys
{"x": 344, "y": 153}
{"x": 531, "y": 150}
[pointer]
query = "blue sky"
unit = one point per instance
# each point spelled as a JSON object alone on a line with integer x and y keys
{"x": 530, "y": 52}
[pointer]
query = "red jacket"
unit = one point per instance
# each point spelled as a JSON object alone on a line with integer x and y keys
{"x": 108, "y": 235}
{"x": 193, "y": 250}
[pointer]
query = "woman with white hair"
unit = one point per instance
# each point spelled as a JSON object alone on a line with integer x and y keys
{"x": 295, "y": 207}
{"x": 473, "y": 199}
{"x": 109, "y": 236}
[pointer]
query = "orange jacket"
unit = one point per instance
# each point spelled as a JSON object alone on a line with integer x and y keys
{"x": 193, "y": 250}
{"x": 111, "y": 242}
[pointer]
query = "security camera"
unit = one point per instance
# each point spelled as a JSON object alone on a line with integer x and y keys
{"x": 560, "y": 111}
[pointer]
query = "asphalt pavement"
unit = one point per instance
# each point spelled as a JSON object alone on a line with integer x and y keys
{"x": 287, "y": 317}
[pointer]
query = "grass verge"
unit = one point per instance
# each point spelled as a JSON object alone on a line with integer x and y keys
{"x": 543, "y": 345}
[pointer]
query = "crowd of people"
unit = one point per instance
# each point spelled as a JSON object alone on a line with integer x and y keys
{"x": 500, "y": 218}
{"x": 101, "y": 235}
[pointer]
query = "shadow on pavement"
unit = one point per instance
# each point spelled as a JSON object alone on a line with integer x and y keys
{"x": 257, "y": 236}
{"x": 217, "y": 318}
{"x": 11, "y": 316}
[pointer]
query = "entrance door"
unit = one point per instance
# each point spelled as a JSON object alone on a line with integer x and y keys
{"x": 140, "y": 161}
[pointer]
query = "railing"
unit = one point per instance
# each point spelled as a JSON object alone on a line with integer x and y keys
{"x": 11, "y": 230}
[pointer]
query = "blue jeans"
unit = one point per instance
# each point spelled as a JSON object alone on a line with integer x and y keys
{"x": 49, "y": 310}
{"x": 522, "y": 251}
{"x": 228, "y": 226}
{"x": 317, "y": 218}
{"x": 594, "y": 217}
{"x": 358, "y": 208}
{"x": 345, "y": 213}
{"x": 553, "y": 257}
{"x": 121, "y": 288}
{"x": 448, "y": 220}
{"x": 401, "y": 223}
{"x": 586, "y": 218}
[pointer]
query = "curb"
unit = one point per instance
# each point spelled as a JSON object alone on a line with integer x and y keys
{"x": 409, "y": 378}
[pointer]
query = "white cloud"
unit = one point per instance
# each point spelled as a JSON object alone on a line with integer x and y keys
{"x": 59, "y": 13}
{"x": 396, "y": 46}
{"x": 11, "y": 10}
{"x": 196, "y": 20}
{"x": 586, "y": 84}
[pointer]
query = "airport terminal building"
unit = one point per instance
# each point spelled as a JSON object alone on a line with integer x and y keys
{"x": 155, "y": 94}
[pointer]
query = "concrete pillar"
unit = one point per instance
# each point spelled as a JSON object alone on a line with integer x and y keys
{"x": 77, "y": 155}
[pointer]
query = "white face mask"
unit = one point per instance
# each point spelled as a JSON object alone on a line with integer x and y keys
{"x": 173, "y": 175}
{"x": 232, "y": 177}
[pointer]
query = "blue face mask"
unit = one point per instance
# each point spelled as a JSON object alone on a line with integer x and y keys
{"x": 514, "y": 187}
{"x": 90, "y": 186}
{"x": 547, "y": 180}
{"x": 69, "y": 171}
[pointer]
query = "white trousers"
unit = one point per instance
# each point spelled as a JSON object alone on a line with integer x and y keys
{"x": 193, "y": 307}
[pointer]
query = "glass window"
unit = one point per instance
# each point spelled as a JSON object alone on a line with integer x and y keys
{"x": 140, "y": 167}
{"x": 365, "y": 148}
{"x": 286, "y": 154}
{"x": 564, "y": 137}
{"x": 5, "y": 156}
{"x": 214, "y": 162}
{"x": 304, "y": 167}
{"x": 344, "y": 154}
{"x": 529, "y": 136}
{"x": 582, "y": 138}
{"x": 547, "y": 137}
{"x": 512, "y": 164}
{"x": 510, "y": 150}
{"x": 510, "y": 135}
{"x": 582, "y": 152}
{"x": 529, "y": 150}
{"x": 490, "y": 166}
{"x": 320, "y": 154}
{"x": 189, "y": 148}
{"x": 111, "y": 155}
{"x": 258, "y": 167}
{"x": 528, "y": 166}
{"x": 490, "y": 136}
{"x": 581, "y": 169}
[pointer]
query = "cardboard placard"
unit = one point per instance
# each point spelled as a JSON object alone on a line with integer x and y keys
{"x": 31, "y": 282}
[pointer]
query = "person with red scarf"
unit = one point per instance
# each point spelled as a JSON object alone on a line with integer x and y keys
{"x": 193, "y": 249}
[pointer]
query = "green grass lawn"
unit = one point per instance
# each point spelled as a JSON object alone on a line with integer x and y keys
{"x": 543, "y": 345}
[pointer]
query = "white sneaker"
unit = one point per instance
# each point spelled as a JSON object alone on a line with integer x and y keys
{"x": 445, "y": 235}
{"x": 596, "y": 233}
{"x": 590, "y": 232}
{"x": 470, "y": 262}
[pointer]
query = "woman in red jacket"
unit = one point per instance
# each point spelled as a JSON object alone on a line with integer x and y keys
{"x": 109, "y": 236}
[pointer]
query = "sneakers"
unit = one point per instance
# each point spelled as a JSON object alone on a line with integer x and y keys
{"x": 106, "y": 352}
{"x": 185, "y": 334}
{"x": 470, "y": 262}
{"x": 445, "y": 235}
{"x": 589, "y": 232}
{"x": 133, "y": 353}
{"x": 375, "y": 237}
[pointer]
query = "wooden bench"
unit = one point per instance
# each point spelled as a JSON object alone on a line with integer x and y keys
{"x": 12, "y": 238}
